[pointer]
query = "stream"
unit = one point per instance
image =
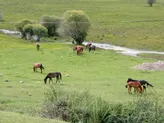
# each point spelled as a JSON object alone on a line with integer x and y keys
{"x": 119, "y": 49}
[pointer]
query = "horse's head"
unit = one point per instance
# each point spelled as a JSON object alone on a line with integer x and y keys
{"x": 129, "y": 79}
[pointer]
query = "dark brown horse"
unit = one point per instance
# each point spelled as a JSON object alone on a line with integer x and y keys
{"x": 38, "y": 65}
{"x": 79, "y": 49}
{"x": 88, "y": 45}
{"x": 92, "y": 47}
{"x": 58, "y": 76}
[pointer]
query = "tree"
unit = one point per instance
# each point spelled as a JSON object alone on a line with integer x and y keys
{"x": 39, "y": 30}
{"x": 51, "y": 23}
{"x": 28, "y": 30}
{"x": 150, "y": 2}
{"x": 21, "y": 24}
{"x": 76, "y": 24}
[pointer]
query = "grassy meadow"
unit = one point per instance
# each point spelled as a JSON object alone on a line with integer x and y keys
{"x": 130, "y": 23}
{"x": 103, "y": 73}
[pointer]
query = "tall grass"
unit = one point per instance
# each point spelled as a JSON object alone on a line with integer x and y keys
{"x": 82, "y": 107}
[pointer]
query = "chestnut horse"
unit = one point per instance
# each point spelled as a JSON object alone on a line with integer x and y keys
{"x": 79, "y": 49}
{"x": 58, "y": 76}
{"x": 38, "y": 65}
{"x": 135, "y": 85}
{"x": 142, "y": 82}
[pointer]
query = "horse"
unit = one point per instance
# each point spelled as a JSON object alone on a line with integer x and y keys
{"x": 37, "y": 46}
{"x": 135, "y": 85}
{"x": 38, "y": 65}
{"x": 87, "y": 45}
{"x": 92, "y": 47}
{"x": 51, "y": 75}
{"x": 142, "y": 82}
{"x": 79, "y": 49}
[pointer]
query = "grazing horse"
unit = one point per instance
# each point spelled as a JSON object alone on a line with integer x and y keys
{"x": 142, "y": 82}
{"x": 79, "y": 49}
{"x": 58, "y": 76}
{"x": 38, "y": 65}
{"x": 92, "y": 47}
{"x": 88, "y": 45}
{"x": 37, "y": 46}
{"x": 135, "y": 85}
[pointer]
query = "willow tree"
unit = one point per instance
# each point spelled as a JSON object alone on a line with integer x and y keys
{"x": 76, "y": 24}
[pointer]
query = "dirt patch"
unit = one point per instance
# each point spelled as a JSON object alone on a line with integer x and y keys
{"x": 155, "y": 66}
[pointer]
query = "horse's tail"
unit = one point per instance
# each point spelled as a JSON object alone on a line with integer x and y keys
{"x": 148, "y": 84}
{"x": 140, "y": 87}
{"x": 45, "y": 79}
{"x": 60, "y": 75}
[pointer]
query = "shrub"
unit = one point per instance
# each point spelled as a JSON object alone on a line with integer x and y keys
{"x": 81, "y": 107}
{"x": 51, "y": 23}
{"x": 21, "y": 24}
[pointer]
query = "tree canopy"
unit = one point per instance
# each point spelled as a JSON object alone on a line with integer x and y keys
{"x": 76, "y": 24}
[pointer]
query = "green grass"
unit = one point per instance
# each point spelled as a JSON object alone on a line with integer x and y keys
{"x": 11, "y": 117}
{"x": 103, "y": 73}
{"x": 120, "y": 22}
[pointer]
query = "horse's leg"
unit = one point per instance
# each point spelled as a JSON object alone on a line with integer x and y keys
{"x": 41, "y": 69}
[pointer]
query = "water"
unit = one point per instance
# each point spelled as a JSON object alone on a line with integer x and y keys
{"x": 122, "y": 50}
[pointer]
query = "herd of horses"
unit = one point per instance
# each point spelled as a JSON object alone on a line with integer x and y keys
{"x": 79, "y": 49}
{"x": 138, "y": 85}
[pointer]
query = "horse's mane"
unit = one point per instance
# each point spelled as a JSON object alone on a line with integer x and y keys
{"x": 130, "y": 79}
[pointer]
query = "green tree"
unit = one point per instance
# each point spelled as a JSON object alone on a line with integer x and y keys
{"x": 28, "y": 30}
{"x": 76, "y": 24}
{"x": 51, "y": 23}
{"x": 21, "y": 24}
{"x": 39, "y": 30}
{"x": 151, "y": 2}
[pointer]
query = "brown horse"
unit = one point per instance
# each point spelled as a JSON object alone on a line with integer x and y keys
{"x": 79, "y": 49}
{"x": 38, "y": 65}
{"x": 58, "y": 76}
{"x": 135, "y": 85}
{"x": 37, "y": 46}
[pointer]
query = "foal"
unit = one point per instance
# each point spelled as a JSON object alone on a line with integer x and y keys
{"x": 58, "y": 76}
{"x": 38, "y": 65}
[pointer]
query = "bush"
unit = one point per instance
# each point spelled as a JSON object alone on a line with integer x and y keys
{"x": 51, "y": 23}
{"x": 20, "y": 26}
{"x": 81, "y": 107}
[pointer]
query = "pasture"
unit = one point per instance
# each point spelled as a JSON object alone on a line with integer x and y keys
{"x": 103, "y": 73}
{"x": 130, "y": 23}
